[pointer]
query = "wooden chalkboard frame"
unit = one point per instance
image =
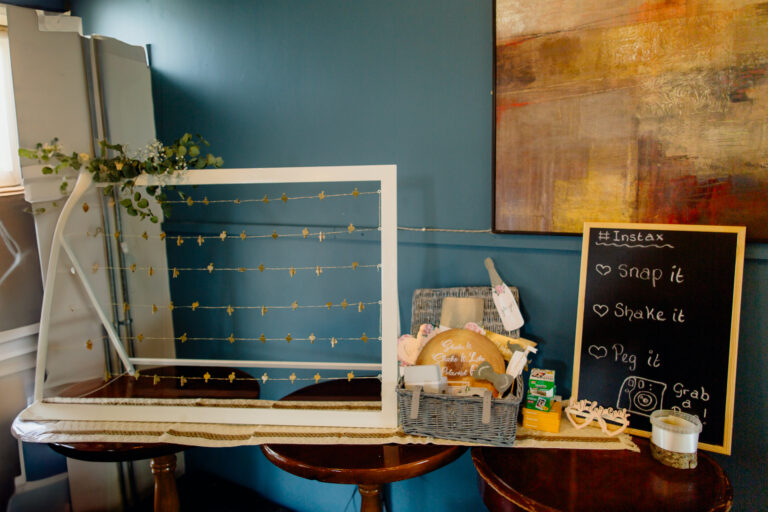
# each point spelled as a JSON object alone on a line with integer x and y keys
{"x": 740, "y": 232}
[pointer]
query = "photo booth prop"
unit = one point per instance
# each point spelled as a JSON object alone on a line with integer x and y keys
{"x": 288, "y": 274}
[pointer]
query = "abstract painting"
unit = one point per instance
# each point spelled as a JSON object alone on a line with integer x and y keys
{"x": 631, "y": 111}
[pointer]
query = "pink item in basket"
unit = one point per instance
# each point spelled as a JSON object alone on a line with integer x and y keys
{"x": 472, "y": 326}
{"x": 426, "y": 331}
{"x": 408, "y": 349}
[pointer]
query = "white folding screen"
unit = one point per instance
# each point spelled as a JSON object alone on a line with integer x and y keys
{"x": 102, "y": 90}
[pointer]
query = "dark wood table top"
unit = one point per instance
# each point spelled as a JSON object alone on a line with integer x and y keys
{"x": 128, "y": 387}
{"x": 532, "y": 479}
{"x": 356, "y": 464}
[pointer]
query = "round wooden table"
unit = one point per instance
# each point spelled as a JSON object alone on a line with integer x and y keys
{"x": 367, "y": 466}
{"x": 162, "y": 455}
{"x": 551, "y": 480}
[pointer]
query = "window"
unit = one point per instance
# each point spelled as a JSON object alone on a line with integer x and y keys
{"x": 10, "y": 175}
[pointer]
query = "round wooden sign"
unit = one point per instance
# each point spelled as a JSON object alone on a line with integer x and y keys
{"x": 459, "y": 352}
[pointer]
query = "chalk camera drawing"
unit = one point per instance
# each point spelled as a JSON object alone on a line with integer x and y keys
{"x": 641, "y": 396}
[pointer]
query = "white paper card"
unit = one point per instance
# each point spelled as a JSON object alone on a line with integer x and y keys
{"x": 507, "y": 307}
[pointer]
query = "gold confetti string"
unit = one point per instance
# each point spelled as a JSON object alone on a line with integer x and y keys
{"x": 263, "y": 339}
{"x": 200, "y": 239}
{"x": 264, "y": 378}
{"x": 320, "y": 235}
{"x": 211, "y": 268}
{"x": 284, "y": 198}
{"x": 304, "y": 233}
{"x": 360, "y": 306}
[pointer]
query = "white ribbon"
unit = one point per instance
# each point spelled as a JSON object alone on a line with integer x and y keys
{"x": 675, "y": 442}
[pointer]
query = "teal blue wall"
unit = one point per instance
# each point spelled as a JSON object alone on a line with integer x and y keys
{"x": 406, "y": 82}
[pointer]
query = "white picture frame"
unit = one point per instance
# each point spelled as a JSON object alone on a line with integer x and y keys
{"x": 79, "y": 409}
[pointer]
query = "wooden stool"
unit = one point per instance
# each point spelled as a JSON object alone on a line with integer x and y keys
{"x": 162, "y": 463}
{"x": 162, "y": 455}
{"x": 551, "y": 480}
{"x": 367, "y": 466}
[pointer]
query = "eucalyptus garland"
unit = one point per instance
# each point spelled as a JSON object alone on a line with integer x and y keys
{"x": 121, "y": 169}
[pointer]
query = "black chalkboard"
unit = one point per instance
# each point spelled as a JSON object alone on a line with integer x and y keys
{"x": 658, "y": 322}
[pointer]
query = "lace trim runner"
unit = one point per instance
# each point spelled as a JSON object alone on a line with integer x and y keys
{"x": 216, "y": 435}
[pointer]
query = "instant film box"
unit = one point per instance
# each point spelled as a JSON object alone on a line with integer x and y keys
{"x": 541, "y": 390}
{"x": 540, "y": 420}
{"x": 542, "y": 381}
{"x": 533, "y": 400}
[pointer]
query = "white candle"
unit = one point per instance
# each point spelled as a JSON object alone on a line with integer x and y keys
{"x": 675, "y": 431}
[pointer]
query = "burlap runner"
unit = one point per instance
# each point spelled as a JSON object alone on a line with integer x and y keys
{"x": 217, "y": 435}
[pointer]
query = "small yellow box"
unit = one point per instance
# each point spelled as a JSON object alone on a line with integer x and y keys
{"x": 545, "y": 421}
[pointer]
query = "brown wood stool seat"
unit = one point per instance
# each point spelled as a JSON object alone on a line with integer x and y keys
{"x": 552, "y": 480}
{"x": 367, "y": 466}
{"x": 162, "y": 464}
{"x": 162, "y": 455}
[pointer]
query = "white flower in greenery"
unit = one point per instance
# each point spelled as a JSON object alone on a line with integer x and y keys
{"x": 152, "y": 151}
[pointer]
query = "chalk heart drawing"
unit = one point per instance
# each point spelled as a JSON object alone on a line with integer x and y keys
{"x": 603, "y": 270}
{"x": 600, "y": 309}
{"x": 598, "y": 351}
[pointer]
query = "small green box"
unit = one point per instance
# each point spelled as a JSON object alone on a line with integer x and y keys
{"x": 543, "y": 381}
{"x": 539, "y": 402}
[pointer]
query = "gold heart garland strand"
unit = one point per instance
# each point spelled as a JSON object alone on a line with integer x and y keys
{"x": 140, "y": 337}
{"x": 232, "y": 377}
{"x": 230, "y": 309}
{"x": 284, "y": 198}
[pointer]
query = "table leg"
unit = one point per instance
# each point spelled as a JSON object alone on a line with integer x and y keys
{"x": 370, "y": 498}
{"x": 166, "y": 495}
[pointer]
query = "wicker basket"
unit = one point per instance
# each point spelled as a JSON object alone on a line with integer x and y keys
{"x": 460, "y": 418}
{"x": 428, "y": 304}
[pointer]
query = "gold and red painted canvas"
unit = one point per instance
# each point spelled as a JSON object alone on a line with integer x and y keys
{"x": 624, "y": 110}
